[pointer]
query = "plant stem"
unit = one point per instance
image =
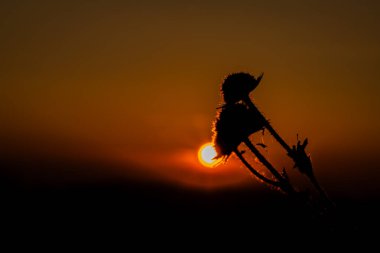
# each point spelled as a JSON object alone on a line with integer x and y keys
{"x": 319, "y": 188}
{"x": 263, "y": 160}
{"x": 284, "y": 184}
{"x": 268, "y": 126}
{"x": 255, "y": 172}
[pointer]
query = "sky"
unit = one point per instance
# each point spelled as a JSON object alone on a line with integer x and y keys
{"x": 134, "y": 86}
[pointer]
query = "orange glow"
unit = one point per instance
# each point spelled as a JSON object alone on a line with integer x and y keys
{"x": 123, "y": 83}
{"x": 206, "y": 155}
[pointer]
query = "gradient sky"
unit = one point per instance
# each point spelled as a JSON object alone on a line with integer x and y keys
{"x": 137, "y": 82}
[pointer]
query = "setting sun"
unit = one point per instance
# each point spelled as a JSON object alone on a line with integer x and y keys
{"x": 206, "y": 155}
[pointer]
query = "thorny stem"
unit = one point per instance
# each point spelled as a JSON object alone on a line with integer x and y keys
{"x": 284, "y": 184}
{"x": 268, "y": 126}
{"x": 255, "y": 172}
{"x": 278, "y": 138}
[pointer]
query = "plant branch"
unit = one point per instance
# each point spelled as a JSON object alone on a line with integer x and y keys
{"x": 284, "y": 184}
{"x": 255, "y": 172}
{"x": 268, "y": 126}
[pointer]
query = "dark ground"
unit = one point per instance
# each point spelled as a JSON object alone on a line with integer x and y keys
{"x": 53, "y": 198}
{"x": 158, "y": 210}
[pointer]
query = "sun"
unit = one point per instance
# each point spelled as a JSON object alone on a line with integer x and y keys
{"x": 206, "y": 154}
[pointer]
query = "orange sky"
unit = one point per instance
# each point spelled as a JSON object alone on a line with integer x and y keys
{"x": 139, "y": 81}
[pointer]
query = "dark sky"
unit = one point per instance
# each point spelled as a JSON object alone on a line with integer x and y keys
{"x": 133, "y": 86}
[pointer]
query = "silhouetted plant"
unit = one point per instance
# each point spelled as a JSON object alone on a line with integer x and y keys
{"x": 237, "y": 87}
{"x": 234, "y": 124}
{"x": 303, "y": 163}
{"x": 237, "y": 121}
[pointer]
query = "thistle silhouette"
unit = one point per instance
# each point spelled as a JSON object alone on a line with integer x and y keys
{"x": 234, "y": 124}
{"x": 232, "y": 127}
{"x": 237, "y": 87}
{"x": 239, "y": 118}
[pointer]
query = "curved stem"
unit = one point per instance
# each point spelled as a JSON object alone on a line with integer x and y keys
{"x": 284, "y": 184}
{"x": 255, "y": 172}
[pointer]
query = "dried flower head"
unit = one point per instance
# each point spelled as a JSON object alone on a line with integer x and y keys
{"x": 238, "y": 86}
{"x": 234, "y": 123}
{"x": 301, "y": 158}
